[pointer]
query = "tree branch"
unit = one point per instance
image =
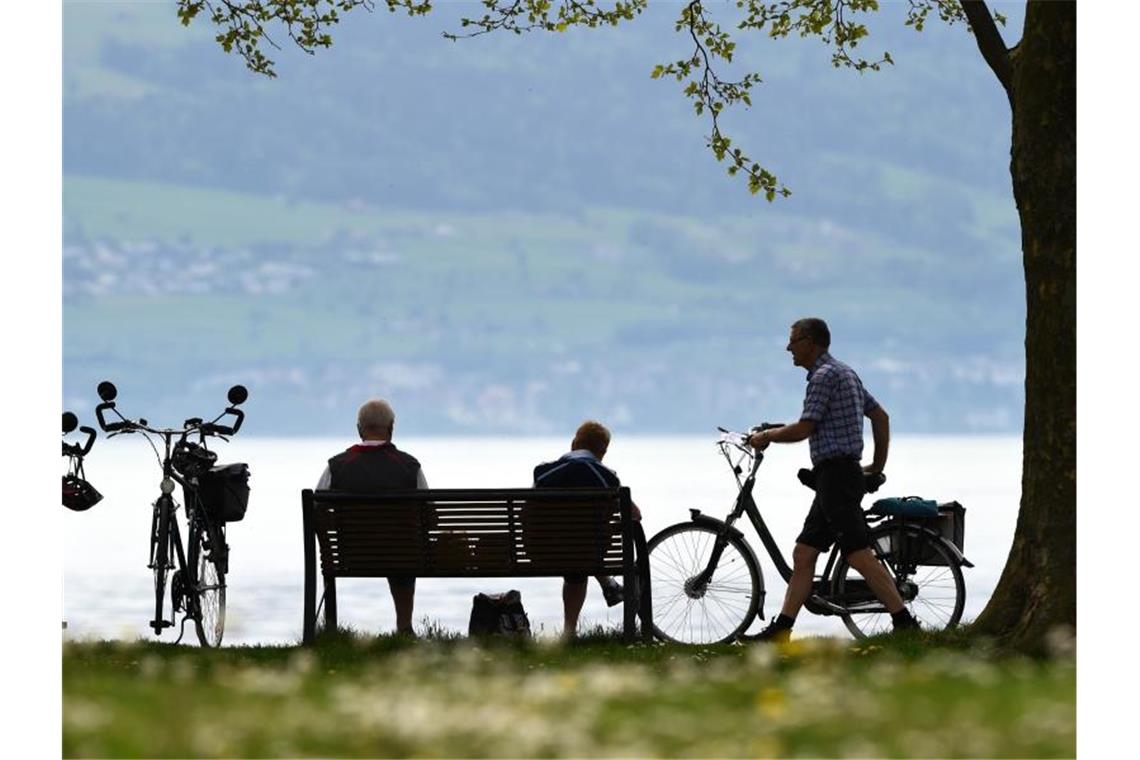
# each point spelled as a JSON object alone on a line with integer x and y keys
{"x": 989, "y": 41}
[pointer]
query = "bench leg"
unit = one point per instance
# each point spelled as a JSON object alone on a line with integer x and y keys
{"x": 644, "y": 583}
{"x": 330, "y": 604}
{"x": 309, "y": 539}
{"x": 629, "y": 607}
{"x": 309, "y": 624}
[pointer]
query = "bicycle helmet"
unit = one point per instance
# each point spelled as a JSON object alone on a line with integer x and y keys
{"x": 78, "y": 494}
{"x": 191, "y": 459}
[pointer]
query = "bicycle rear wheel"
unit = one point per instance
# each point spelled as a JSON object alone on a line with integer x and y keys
{"x": 209, "y": 587}
{"x": 688, "y": 612}
{"x": 934, "y": 591}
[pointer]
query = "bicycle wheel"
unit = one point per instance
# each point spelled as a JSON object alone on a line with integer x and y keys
{"x": 688, "y": 614}
{"x": 209, "y": 585}
{"x": 934, "y": 592}
{"x": 160, "y": 559}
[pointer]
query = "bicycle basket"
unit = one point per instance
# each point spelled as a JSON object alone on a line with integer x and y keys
{"x": 224, "y": 491}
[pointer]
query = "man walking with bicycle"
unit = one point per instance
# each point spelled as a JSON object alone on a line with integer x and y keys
{"x": 832, "y": 421}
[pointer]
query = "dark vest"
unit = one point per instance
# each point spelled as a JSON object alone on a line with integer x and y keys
{"x": 575, "y": 473}
{"x": 373, "y": 469}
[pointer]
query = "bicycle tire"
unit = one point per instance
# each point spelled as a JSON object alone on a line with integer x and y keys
{"x": 680, "y": 552}
{"x": 208, "y": 586}
{"x": 160, "y": 543}
{"x": 939, "y": 589}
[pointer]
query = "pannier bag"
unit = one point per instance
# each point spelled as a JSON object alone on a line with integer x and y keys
{"x": 947, "y": 519}
{"x": 498, "y": 615}
{"x": 224, "y": 491}
{"x": 952, "y": 523}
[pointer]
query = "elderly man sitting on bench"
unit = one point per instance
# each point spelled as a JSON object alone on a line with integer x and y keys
{"x": 372, "y": 466}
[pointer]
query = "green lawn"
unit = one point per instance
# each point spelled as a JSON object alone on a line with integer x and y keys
{"x": 445, "y": 697}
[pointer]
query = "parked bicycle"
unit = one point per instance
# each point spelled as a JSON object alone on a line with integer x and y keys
{"x": 213, "y": 496}
{"x": 78, "y": 494}
{"x": 708, "y": 587}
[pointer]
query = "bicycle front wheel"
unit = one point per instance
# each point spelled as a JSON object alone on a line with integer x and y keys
{"x": 689, "y": 610}
{"x": 160, "y": 559}
{"x": 926, "y": 572}
{"x": 209, "y": 587}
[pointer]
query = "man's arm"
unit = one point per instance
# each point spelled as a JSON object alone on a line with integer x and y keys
{"x": 793, "y": 433}
{"x": 881, "y": 432}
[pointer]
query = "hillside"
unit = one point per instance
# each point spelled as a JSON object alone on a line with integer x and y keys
{"x": 509, "y": 234}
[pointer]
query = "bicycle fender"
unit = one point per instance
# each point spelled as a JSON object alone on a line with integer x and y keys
{"x": 719, "y": 525}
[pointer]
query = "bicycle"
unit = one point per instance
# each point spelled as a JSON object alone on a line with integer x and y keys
{"x": 708, "y": 588}
{"x": 198, "y": 583}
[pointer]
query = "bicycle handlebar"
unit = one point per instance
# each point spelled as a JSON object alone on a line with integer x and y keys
{"x": 741, "y": 439}
{"x": 110, "y": 427}
{"x": 86, "y": 447}
{"x": 70, "y": 422}
{"x": 212, "y": 428}
{"x": 107, "y": 392}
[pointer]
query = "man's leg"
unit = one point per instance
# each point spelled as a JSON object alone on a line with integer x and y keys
{"x": 877, "y": 578}
{"x": 803, "y": 576}
{"x": 799, "y": 589}
{"x": 403, "y": 597}
{"x": 573, "y": 597}
{"x": 843, "y": 490}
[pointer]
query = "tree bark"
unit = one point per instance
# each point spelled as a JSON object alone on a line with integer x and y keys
{"x": 1037, "y": 591}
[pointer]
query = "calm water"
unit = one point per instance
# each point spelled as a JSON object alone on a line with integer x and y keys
{"x": 108, "y": 591}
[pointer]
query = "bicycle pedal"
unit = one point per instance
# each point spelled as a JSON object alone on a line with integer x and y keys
{"x": 160, "y": 624}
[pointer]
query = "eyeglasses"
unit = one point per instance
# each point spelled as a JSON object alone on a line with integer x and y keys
{"x": 794, "y": 341}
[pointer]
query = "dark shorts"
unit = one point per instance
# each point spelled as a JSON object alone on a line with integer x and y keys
{"x": 402, "y": 581}
{"x": 836, "y": 515}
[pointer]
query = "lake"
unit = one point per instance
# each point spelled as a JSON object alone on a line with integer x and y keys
{"x": 108, "y": 590}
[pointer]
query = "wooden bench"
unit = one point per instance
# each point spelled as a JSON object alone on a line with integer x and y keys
{"x": 474, "y": 533}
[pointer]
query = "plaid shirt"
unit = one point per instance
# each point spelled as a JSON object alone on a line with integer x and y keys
{"x": 836, "y": 401}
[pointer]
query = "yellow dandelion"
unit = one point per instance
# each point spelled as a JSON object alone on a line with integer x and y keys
{"x": 771, "y": 702}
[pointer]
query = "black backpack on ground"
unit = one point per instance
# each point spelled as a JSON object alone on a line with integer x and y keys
{"x": 498, "y": 615}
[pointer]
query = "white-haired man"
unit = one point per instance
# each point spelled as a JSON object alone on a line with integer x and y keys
{"x": 375, "y": 465}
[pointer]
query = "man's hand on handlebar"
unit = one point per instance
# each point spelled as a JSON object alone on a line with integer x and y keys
{"x": 759, "y": 440}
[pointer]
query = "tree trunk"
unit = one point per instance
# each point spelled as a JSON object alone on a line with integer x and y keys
{"x": 1037, "y": 591}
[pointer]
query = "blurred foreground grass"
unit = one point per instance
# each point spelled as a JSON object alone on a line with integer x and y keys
{"x": 446, "y": 697}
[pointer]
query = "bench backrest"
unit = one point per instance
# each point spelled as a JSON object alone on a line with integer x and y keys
{"x": 477, "y": 532}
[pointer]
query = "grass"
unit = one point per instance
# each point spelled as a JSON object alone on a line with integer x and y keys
{"x": 443, "y": 696}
